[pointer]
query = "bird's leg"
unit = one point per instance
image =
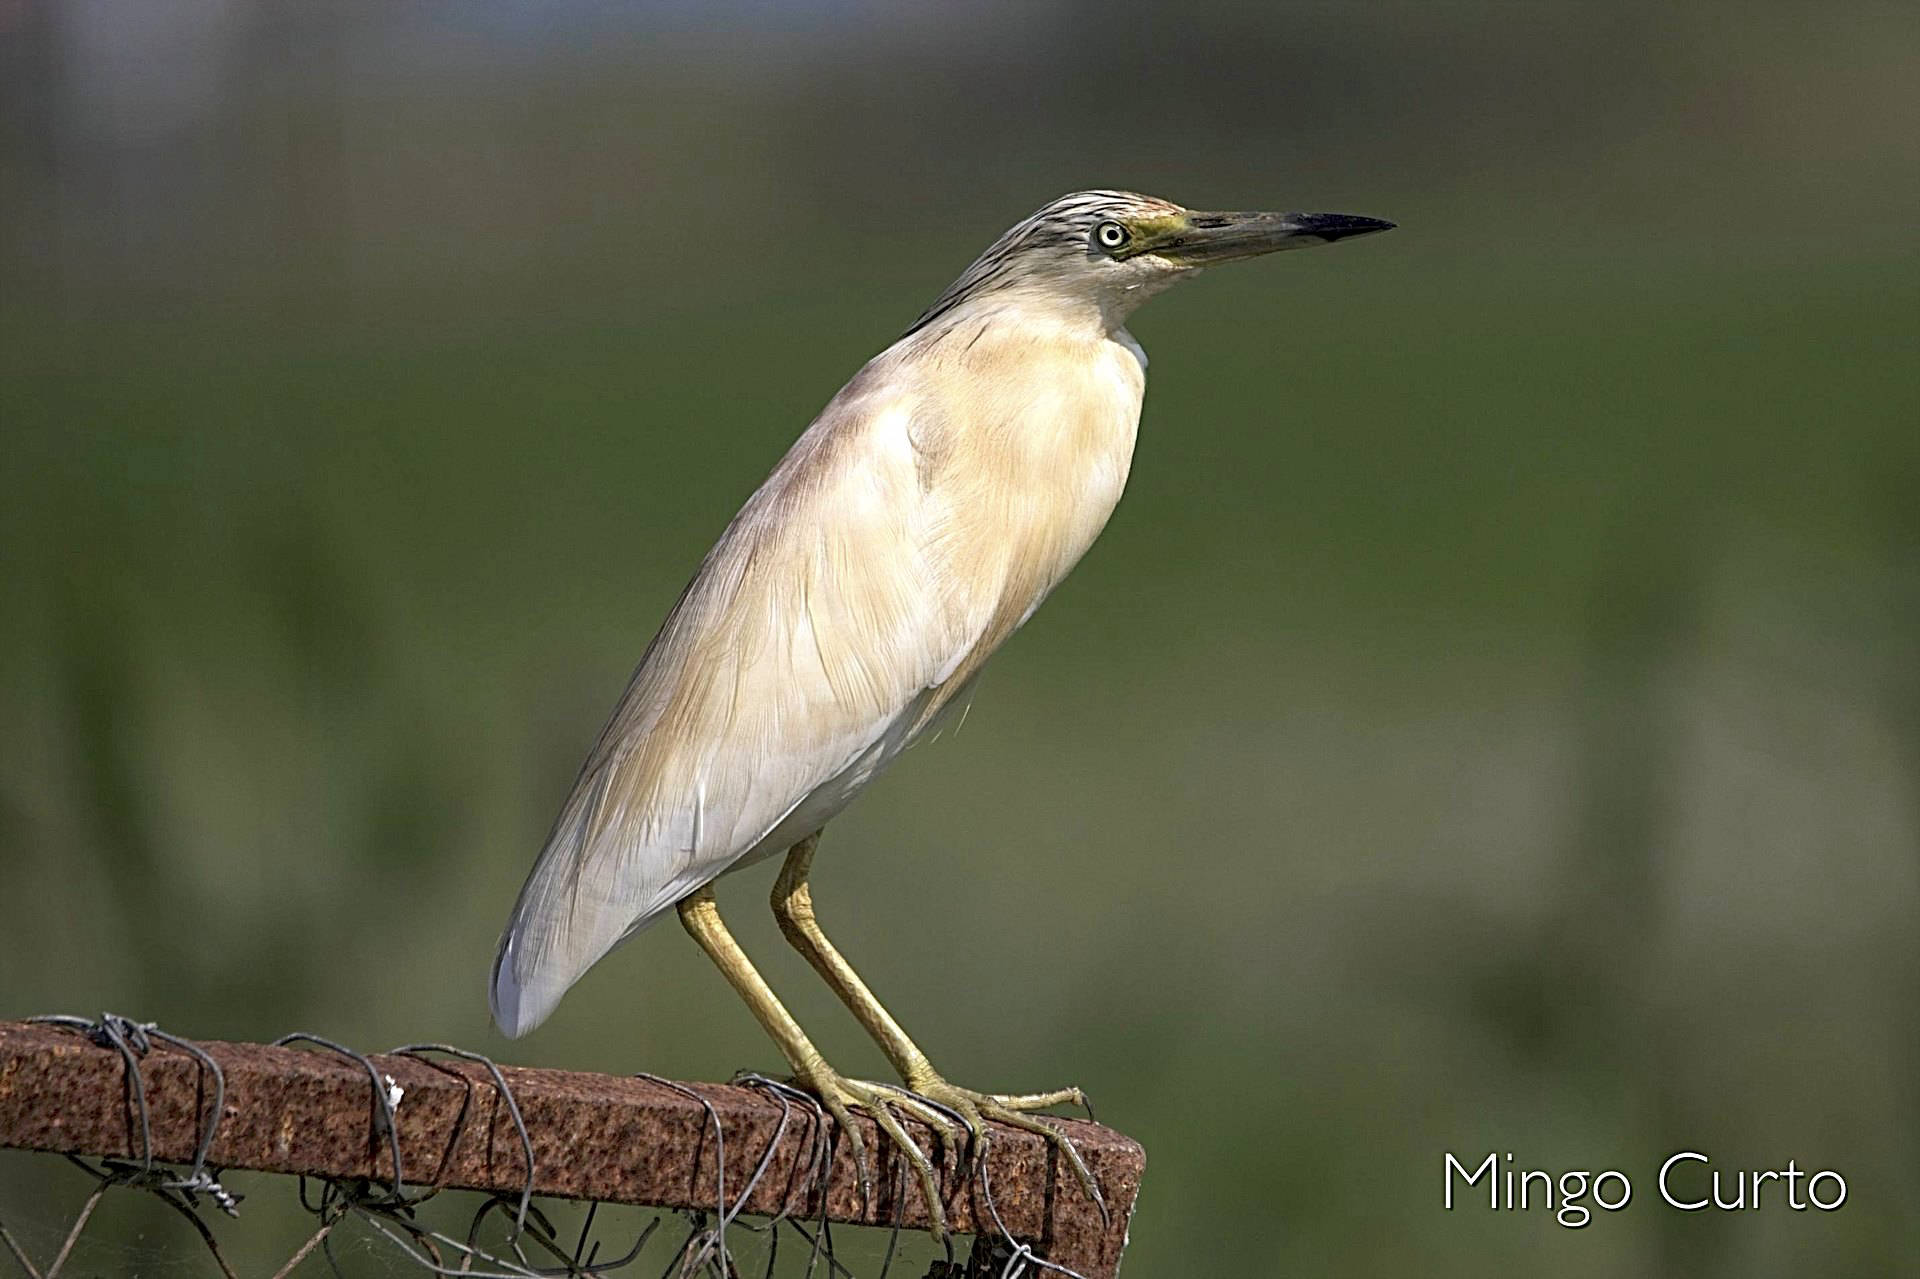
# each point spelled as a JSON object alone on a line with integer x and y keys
{"x": 701, "y": 918}
{"x": 793, "y": 907}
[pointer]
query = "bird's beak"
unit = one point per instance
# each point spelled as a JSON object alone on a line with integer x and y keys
{"x": 1202, "y": 239}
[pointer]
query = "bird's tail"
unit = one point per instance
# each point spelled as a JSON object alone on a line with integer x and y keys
{"x": 523, "y": 995}
{"x": 519, "y": 1005}
{"x": 585, "y": 896}
{"x": 544, "y": 949}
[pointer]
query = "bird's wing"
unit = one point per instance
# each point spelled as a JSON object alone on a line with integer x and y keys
{"x": 814, "y": 628}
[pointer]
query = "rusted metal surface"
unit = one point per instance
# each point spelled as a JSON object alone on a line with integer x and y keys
{"x": 604, "y": 1137}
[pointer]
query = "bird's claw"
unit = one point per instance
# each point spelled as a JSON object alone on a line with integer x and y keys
{"x": 975, "y": 1109}
{"x": 959, "y": 1117}
{"x": 841, "y": 1096}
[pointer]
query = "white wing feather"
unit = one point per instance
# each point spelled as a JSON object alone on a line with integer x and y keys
{"x": 802, "y": 654}
{"x": 912, "y": 528}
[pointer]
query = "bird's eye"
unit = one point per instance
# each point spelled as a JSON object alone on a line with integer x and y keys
{"x": 1110, "y": 235}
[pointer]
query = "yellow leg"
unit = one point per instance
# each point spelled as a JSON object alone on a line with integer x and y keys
{"x": 701, "y": 917}
{"x": 793, "y": 907}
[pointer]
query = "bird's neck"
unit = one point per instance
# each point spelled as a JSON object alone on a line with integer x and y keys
{"x": 1038, "y": 317}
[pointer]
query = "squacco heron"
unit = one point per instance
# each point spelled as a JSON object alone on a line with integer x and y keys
{"x": 848, "y": 609}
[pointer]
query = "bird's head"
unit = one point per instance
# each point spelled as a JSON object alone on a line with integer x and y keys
{"x": 1112, "y": 250}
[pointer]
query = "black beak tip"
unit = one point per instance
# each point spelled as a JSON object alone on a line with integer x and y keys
{"x": 1342, "y": 226}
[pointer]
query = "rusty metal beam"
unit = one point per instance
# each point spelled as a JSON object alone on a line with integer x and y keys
{"x": 604, "y": 1137}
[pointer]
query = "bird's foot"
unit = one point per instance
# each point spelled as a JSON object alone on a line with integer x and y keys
{"x": 885, "y": 1103}
{"x": 975, "y": 1109}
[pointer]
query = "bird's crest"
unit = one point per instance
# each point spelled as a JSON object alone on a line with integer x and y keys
{"x": 1062, "y": 223}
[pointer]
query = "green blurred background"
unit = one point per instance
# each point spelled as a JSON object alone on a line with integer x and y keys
{"x": 1491, "y": 721}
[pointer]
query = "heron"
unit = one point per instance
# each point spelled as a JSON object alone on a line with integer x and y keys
{"x": 846, "y": 612}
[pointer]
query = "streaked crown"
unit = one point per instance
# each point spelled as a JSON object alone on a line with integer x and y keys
{"x": 1055, "y": 234}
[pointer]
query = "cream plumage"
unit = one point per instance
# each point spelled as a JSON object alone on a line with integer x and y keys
{"x": 909, "y": 531}
{"x": 917, "y": 523}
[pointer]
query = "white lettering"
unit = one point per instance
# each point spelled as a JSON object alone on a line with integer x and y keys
{"x": 1814, "y": 1194}
{"x": 1573, "y": 1214}
{"x": 1626, "y": 1190}
{"x": 1793, "y": 1175}
{"x": 1493, "y": 1182}
{"x": 1667, "y": 1167}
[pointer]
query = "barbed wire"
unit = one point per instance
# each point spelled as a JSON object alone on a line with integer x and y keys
{"x": 389, "y": 1208}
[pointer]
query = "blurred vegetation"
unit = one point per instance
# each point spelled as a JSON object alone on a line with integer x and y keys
{"x": 1491, "y": 721}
